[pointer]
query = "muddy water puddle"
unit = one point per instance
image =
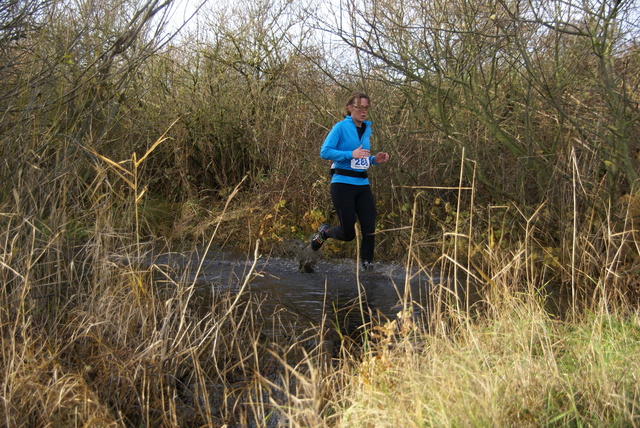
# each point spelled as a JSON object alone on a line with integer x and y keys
{"x": 294, "y": 307}
{"x": 334, "y": 290}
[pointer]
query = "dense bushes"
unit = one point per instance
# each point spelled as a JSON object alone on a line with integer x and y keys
{"x": 512, "y": 128}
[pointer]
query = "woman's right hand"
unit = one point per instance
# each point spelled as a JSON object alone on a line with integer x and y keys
{"x": 360, "y": 153}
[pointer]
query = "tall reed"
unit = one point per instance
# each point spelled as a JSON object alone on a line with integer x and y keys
{"x": 108, "y": 333}
{"x": 504, "y": 342}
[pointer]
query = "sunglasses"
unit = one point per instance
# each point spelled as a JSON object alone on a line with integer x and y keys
{"x": 361, "y": 108}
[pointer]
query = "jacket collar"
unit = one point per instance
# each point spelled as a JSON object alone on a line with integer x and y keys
{"x": 350, "y": 119}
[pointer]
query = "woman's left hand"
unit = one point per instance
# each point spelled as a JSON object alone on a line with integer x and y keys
{"x": 381, "y": 157}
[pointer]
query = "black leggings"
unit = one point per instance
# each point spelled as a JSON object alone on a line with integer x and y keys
{"x": 353, "y": 202}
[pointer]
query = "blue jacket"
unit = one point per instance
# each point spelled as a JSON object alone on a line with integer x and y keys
{"x": 341, "y": 141}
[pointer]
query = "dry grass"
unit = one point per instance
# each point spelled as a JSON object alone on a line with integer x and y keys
{"x": 107, "y": 335}
{"x": 546, "y": 344}
{"x": 96, "y": 330}
{"x": 513, "y": 363}
{"x": 137, "y": 349}
{"x": 523, "y": 369}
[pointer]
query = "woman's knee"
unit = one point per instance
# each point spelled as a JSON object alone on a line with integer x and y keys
{"x": 349, "y": 236}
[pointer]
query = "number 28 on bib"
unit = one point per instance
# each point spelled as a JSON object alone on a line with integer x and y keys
{"x": 360, "y": 163}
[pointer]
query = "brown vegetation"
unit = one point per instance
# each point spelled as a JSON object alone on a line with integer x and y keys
{"x": 514, "y": 138}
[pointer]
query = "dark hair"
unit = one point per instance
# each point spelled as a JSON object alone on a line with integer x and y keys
{"x": 354, "y": 99}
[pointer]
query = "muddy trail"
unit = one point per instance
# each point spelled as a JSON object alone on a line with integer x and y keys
{"x": 304, "y": 289}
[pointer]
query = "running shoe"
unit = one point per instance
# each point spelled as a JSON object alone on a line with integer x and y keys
{"x": 318, "y": 239}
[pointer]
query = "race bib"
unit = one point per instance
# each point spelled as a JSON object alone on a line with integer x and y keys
{"x": 362, "y": 164}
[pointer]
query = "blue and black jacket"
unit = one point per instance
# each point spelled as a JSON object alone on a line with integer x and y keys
{"x": 339, "y": 145}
